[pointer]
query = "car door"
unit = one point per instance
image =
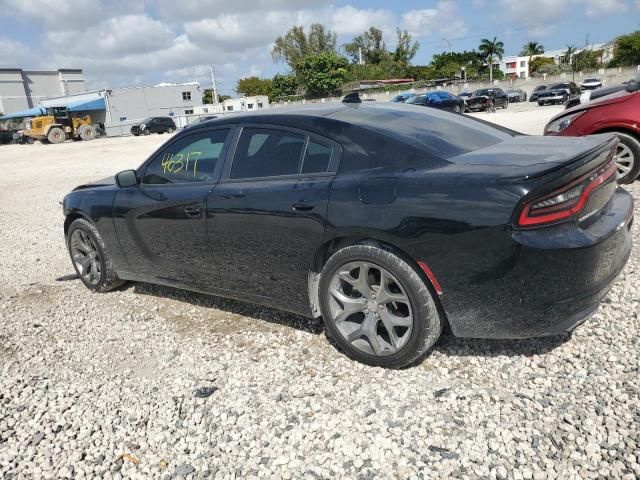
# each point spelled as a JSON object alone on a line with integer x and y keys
{"x": 266, "y": 217}
{"x": 161, "y": 222}
{"x": 500, "y": 97}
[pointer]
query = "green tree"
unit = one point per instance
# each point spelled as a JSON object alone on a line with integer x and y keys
{"x": 296, "y": 44}
{"x": 491, "y": 50}
{"x": 405, "y": 50}
{"x": 207, "y": 98}
{"x": 539, "y": 62}
{"x": 472, "y": 61}
{"x": 251, "y": 86}
{"x": 283, "y": 86}
{"x": 370, "y": 43}
{"x": 323, "y": 73}
{"x": 587, "y": 59}
{"x": 568, "y": 54}
{"x": 531, "y": 49}
{"x": 626, "y": 50}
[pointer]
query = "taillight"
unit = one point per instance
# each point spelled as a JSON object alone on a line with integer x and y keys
{"x": 567, "y": 201}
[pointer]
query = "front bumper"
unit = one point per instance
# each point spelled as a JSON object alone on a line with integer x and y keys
{"x": 555, "y": 98}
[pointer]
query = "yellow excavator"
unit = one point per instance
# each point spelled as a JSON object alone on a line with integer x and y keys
{"x": 59, "y": 125}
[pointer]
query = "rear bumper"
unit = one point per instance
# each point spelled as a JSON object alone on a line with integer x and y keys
{"x": 550, "y": 282}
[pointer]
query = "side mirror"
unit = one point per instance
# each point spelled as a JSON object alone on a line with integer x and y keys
{"x": 127, "y": 178}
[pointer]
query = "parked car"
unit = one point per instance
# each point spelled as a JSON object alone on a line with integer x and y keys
{"x": 439, "y": 99}
{"x": 588, "y": 95}
{"x": 536, "y": 91}
{"x": 590, "y": 84}
{"x": 619, "y": 113}
{"x": 154, "y": 125}
{"x": 484, "y": 97}
{"x": 387, "y": 220}
{"x": 516, "y": 95}
{"x": 6, "y": 136}
{"x": 558, "y": 93}
{"x": 402, "y": 97}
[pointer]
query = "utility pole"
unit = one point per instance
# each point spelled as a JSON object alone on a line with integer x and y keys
{"x": 213, "y": 83}
{"x": 360, "y": 61}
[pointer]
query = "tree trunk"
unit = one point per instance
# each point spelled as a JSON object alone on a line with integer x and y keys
{"x": 491, "y": 70}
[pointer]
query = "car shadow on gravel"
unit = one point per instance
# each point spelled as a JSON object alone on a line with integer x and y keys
{"x": 447, "y": 345}
{"x": 236, "y": 307}
{"x": 484, "y": 347}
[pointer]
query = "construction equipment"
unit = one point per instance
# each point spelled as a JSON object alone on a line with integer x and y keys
{"x": 59, "y": 125}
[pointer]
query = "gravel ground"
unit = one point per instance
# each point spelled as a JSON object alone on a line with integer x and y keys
{"x": 151, "y": 382}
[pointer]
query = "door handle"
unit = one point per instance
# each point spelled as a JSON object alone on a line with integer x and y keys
{"x": 192, "y": 211}
{"x": 302, "y": 207}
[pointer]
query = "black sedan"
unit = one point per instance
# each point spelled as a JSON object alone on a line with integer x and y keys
{"x": 537, "y": 91}
{"x": 558, "y": 93}
{"x": 439, "y": 99}
{"x": 388, "y": 221}
{"x": 486, "y": 99}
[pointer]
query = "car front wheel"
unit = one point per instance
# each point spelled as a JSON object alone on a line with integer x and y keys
{"x": 628, "y": 158}
{"x": 377, "y": 307}
{"x": 90, "y": 257}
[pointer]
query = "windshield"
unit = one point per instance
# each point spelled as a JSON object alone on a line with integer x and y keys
{"x": 558, "y": 85}
{"x": 147, "y": 120}
{"x": 591, "y": 80}
{"x": 483, "y": 92}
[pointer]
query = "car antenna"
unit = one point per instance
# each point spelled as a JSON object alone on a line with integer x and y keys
{"x": 353, "y": 97}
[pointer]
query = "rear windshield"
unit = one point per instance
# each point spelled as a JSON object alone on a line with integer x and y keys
{"x": 442, "y": 134}
{"x": 484, "y": 92}
{"x": 559, "y": 85}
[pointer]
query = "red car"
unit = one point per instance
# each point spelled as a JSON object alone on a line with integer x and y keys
{"x": 619, "y": 113}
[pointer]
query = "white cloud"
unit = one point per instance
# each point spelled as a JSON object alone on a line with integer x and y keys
{"x": 13, "y": 53}
{"x": 352, "y": 21}
{"x": 596, "y": 8}
{"x": 185, "y": 10}
{"x": 444, "y": 20}
{"x": 68, "y": 14}
{"x": 126, "y": 35}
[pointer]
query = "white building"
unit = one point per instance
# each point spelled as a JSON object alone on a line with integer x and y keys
{"x": 515, "y": 66}
{"x": 23, "y": 89}
{"x": 232, "y": 105}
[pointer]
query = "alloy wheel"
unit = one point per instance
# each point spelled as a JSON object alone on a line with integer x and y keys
{"x": 370, "y": 308}
{"x": 624, "y": 159}
{"x": 86, "y": 257}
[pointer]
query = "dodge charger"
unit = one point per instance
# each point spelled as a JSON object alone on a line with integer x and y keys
{"x": 390, "y": 222}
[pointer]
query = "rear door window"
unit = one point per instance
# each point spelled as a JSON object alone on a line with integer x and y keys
{"x": 263, "y": 152}
{"x": 316, "y": 157}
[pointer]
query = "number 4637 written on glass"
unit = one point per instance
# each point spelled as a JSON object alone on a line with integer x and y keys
{"x": 181, "y": 163}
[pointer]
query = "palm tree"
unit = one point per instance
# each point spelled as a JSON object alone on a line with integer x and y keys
{"x": 569, "y": 52}
{"x": 531, "y": 49}
{"x": 491, "y": 49}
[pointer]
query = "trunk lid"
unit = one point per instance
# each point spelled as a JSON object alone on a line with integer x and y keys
{"x": 525, "y": 157}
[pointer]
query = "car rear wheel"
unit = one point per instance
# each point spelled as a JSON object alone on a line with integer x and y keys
{"x": 90, "y": 258}
{"x": 377, "y": 308}
{"x": 628, "y": 158}
{"x": 456, "y": 109}
{"x": 146, "y": 131}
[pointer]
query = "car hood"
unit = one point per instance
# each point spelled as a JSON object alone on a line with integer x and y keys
{"x": 478, "y": 97}
{"x": 98, "y": 183}
{"x": 618, "y": 97}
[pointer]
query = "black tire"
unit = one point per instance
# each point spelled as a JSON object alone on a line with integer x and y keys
{"x": 56, "y": 135}
{"x": 540, "y": 104}
{"x": 146, "y": 132}
{"x": 632, "y": 145}
{"x": 426, "y": 327}
{"x": 108, "y": 278}
{"x": 171, "y": 130}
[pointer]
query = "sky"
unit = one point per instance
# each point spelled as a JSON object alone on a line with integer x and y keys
{"x": 128, "y": 43}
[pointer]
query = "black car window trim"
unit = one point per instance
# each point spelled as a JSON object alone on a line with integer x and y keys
{"x": 217, "y": 170}
{"x": 336, "y": 151}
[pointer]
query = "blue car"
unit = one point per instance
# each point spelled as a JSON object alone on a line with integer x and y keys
{"x": 402, "y": 97}
{"x": 439, "y": 99}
